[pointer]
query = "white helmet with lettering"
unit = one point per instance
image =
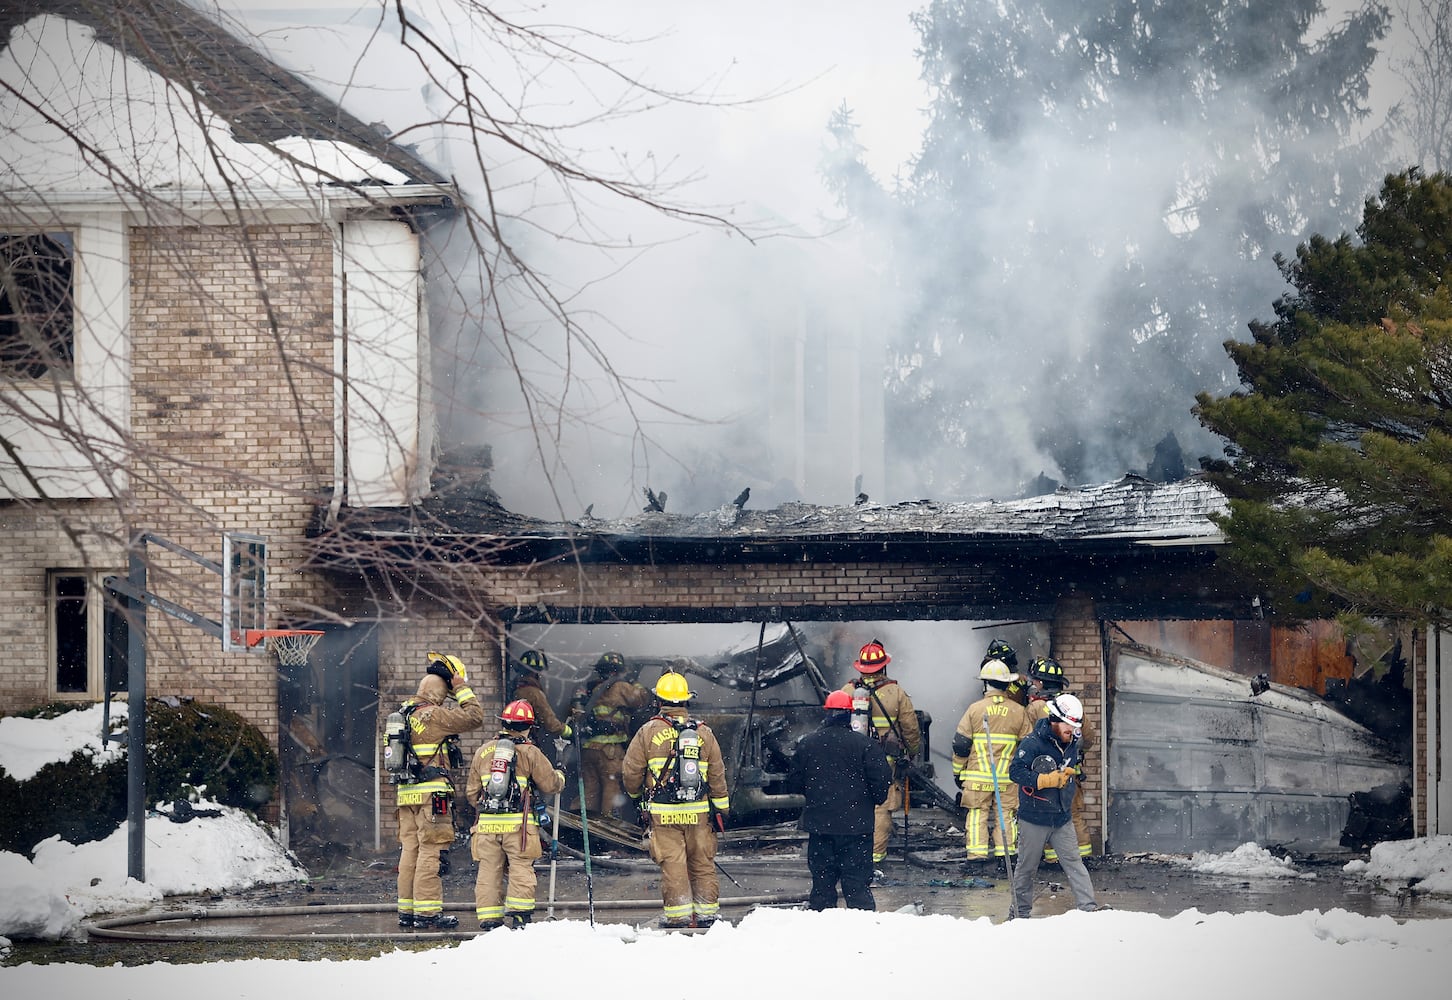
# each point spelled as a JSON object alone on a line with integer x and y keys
{"x": 1068, "y": 709}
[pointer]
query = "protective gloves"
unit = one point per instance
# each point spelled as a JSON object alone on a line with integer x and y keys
{"x": 1054, "y": 779}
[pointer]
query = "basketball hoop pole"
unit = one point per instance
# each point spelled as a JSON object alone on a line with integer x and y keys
{"x": 131, "y": 592}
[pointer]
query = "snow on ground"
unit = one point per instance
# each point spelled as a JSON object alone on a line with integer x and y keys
{"x": 1247, "y": 860}
{"x": 27, "y": 745}
{"x": 1131, "y": 956}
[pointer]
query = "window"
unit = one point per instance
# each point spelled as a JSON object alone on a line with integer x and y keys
{"x": 37, "y": 314}
{"x": 88, "y": 636}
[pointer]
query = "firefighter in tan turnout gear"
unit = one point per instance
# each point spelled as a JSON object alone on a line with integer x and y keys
{"x": 508, "y": 781}
{"x": 528, "y": 687}
{"x": 674, "y": 770}
{"x": 605, "y": 718}
{"x": 983, "y": 747}
{"x": 882, "y": 709}
{"x": 418, "y": 755}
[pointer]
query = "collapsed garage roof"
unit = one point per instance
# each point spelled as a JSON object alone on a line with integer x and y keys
{"x": 1131, "y": 512}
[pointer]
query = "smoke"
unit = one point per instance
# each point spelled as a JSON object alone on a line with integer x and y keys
{"x": 757, "y": 351}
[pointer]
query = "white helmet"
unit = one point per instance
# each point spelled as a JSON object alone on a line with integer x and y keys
{"x": 1068, "y": 709}
{"x": 997, "y": 671}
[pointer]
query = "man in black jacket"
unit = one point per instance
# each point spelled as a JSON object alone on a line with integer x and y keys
{"x": 843, "y": 775}
{"x": 1043, "y": 769}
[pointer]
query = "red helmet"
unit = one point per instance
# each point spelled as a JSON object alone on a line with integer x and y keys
{"x": 872, "y": 658}
{"x": 839, "y": 699}
{"x": 518, "y": 713}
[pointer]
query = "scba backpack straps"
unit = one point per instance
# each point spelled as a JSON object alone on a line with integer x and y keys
{"x": 681, "y": 778}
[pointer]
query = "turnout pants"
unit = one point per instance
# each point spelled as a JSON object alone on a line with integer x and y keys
{"x": 686, "y": 853}
{"x": 423, "y": 836}
{"x": 845, "y": 858}
{"x": 882, "y": 821}
{"x": 506, "y": 880}
{"x": 982, "y": 823}
{"x": 1031, "y": 841}
{"x": 601, "y": 764}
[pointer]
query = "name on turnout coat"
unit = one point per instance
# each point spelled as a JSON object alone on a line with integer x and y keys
{"x": 1043, "y": 806}
{"x": 843, "y": 775}
{"x": 651, "y": 761}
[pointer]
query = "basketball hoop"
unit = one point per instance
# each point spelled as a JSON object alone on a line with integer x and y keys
{"x": 291, "y": 645}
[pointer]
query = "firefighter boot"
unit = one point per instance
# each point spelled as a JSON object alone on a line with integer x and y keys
{"x": 518, "y": 920}
{"x": 436, "y": 922}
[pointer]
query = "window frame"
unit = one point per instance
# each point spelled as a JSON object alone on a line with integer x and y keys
{"x": 101, "y": 616}
{"x": 63, "y": 364}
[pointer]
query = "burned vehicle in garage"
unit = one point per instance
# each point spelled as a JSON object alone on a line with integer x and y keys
{"x": 759, "y": 696}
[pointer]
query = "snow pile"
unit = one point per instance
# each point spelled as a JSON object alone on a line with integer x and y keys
{"x": 1246, "y": 861}
{"x": 49, "y": 896}
{"x": 221, "y": 853}
{"x": 33, "y": 906}
{"x": 1423, "y": 863}
{"x": 27, "y": 745}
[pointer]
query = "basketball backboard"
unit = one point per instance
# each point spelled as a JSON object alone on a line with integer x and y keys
{"x": 244, "y": 589}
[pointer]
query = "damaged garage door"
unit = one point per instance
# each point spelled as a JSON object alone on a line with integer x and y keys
{"x": 1197, "y": 763}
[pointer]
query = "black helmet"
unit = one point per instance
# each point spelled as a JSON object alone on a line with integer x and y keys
{"x": 609, "y": 663}
{"x": 1046, "y": 670}
{"x": 532, "y": 661}
{"x": 1000, "y": 650}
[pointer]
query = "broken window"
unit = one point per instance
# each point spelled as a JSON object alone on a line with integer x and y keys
{"x": 37, "y": 316}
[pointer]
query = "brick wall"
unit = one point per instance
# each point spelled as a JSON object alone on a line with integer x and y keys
{"x": 737, "y": 585}
{"x": 232, "y": 415}
{"x": 1074, "y": 638}
{"x": 79, "y": 535}
{"x": 232, "y": 429}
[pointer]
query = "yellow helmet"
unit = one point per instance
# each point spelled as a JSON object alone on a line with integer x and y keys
{"x": 672, "y": 687}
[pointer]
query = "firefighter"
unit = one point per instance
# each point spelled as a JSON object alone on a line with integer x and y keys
{"x": 1043, "y": 769}
{"x": 882, "y": 709}
{"x": 509, "y": 780}
{"x": 426, "y": 795}
{"x": 674, "y": 770}
{"x": 986, "y": 738}
{"x": 1046, "y": 680}
{"x": 527, "y": 687}
{"x": 842, "y": 775}
{"x": 1004, "y": 653}
{"x": 605, "y": 721}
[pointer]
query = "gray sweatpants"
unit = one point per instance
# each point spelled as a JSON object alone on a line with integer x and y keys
{"x": 1031, "y": 840}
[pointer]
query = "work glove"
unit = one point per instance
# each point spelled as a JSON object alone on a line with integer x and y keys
{"x": 560, "y": 776}
{"x": 568, "y": 732}
{"x": 1055, "y": 779}
{"x": 457, "y": 676}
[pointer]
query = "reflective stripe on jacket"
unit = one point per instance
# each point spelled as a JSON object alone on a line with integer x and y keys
{"x": 1007, "y": 723}
{"x": 891, "y": 705}
{"x": 429, "y": 725}
{"x": 531, "y": 769}
{"x": 645, "y": 760}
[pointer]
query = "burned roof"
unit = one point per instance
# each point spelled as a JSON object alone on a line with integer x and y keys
{"x": 1130, "y": 511}
{"x": 262, "y": 101}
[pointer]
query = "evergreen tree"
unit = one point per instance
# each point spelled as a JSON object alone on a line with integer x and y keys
{"x": 1339, "y": 465}
{"x": 1086, "y": 223}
